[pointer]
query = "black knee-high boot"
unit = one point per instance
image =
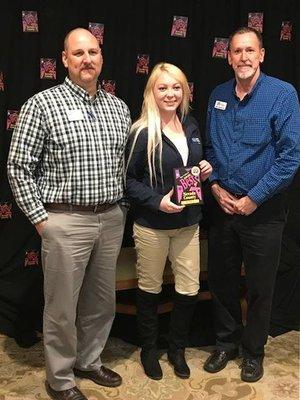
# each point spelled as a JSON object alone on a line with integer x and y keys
{"x": 147, "y": 304}
{"x": 181, "y": 316}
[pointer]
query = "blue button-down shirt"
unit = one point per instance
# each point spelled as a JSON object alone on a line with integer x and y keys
{"x": 254, "y": 144}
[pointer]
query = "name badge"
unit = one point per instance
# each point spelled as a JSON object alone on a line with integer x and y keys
{"x": 220, "y": 105}
{"x": 74, "y": 115}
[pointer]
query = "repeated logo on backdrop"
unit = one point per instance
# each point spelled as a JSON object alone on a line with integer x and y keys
{"x": 30, "y": 21}
{"x": 256, "y": 20}
{"x": 97, "y": 30}
{"x": 286, "y": 31}
{"x": 48, "y": 68}
{"x": 12, "y": 117}
{"x": 220, "y": 48}
{"x": 5, "y": 211}
{"x": 109, "y": 86}
{"x": 142, "y": 64}
{"x": 179, "y": 26}
{"x": 31, "y": 258}
{"x": 1, "y": 82}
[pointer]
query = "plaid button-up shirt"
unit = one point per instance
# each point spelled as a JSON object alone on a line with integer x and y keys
{"x": 68, "y": 147}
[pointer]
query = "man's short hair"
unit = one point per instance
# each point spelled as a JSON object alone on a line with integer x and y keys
{"x": 246, "y": 29}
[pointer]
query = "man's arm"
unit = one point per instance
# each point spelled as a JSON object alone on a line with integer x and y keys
{"x": 209, "y": 151}
{"x": 287, "y": 133}
{"x": 25, "y": 151}
{"x": 225, "y": 199}
{"x": 124, "y": 202}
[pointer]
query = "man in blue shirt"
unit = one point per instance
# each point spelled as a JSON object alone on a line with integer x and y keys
{"x": 253, "y": 132}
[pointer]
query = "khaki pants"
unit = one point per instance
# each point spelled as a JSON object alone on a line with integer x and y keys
{"x": 181, "y": 246}
{"x": 79, "y": 254}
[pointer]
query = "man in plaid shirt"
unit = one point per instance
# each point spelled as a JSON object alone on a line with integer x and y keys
{"x": 65, "y": 168}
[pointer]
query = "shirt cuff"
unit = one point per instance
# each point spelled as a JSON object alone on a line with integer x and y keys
{"x": 257, "y": 196}
{"x": 124, "y": 202}
{"x": 38, "y": 215}
{"x": 213, "y": 177}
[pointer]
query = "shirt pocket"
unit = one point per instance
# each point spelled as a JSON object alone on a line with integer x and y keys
{"x": 256, "y": 132}
{"x": 67, "y": 141}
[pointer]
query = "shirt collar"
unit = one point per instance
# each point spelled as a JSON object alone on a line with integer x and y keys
{"x": 79, "y": 91}
{"x": 254, "y": 89}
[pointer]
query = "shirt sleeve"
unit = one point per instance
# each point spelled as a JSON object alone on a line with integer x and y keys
{"x": 286, "y": 127}
{"x": 24, "y": 156}
{"x": 137, "y": 191}
{"x": 127, "y": 119}
{"x": 208, "y": 149}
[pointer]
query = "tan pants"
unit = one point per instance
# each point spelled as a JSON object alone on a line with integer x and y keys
{"x": 181, "y": 246}
{"x": 79, "y": 254}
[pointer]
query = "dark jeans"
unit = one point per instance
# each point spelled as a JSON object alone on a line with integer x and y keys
{"x": 254, "y": 240}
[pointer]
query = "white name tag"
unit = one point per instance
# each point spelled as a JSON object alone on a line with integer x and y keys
{"x": 220, "y": 105}
{"x": 74, "y": 115}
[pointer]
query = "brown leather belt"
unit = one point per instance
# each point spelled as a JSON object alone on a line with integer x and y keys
{"x": 99, "y": 208}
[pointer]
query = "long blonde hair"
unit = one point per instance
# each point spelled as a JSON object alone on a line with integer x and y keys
{"x": 150, "y": 116}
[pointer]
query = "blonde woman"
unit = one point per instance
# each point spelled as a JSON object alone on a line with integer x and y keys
{"x": 162, "y": 138}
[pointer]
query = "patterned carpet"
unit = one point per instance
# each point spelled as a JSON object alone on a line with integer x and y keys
{"x": 22, "y": 375}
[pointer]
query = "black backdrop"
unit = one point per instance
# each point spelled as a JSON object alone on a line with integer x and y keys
{"x": 132, "y": 27}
